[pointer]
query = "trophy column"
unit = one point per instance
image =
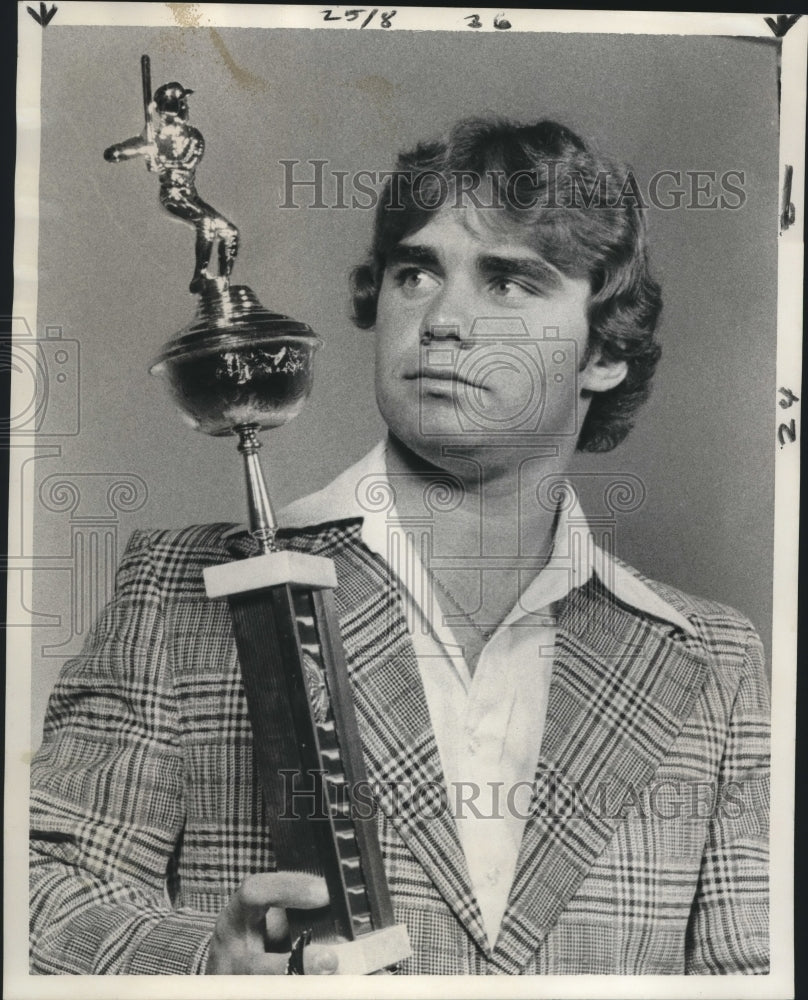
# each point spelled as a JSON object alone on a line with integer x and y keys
{"x": 308, "y": 753}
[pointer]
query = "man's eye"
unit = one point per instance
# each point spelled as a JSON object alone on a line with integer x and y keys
{"x": 413, "y": 279}
{"x": 507, "y": 288}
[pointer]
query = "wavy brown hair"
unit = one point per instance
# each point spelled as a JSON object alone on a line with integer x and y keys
{"x": 581, "y": 211}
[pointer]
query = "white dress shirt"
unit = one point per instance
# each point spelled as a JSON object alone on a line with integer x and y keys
{"x": 488, "y": 726}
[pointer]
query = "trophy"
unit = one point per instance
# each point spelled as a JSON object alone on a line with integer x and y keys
{"x": 238, "y": 369}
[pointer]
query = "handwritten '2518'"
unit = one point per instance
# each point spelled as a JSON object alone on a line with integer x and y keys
{"x": 353, "y": 14}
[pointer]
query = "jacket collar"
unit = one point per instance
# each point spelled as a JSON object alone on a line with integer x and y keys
{"x": 363, "y": 492}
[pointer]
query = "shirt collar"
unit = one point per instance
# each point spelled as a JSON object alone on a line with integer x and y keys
{"x": 364, "y": 492}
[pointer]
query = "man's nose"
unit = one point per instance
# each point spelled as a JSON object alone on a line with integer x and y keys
{"x": 447, "y": 317}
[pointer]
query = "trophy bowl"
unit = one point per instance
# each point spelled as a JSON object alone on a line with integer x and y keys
{"x": 237, "y": 365}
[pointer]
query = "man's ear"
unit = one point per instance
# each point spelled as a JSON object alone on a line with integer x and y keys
{"x": 600, "y": 374}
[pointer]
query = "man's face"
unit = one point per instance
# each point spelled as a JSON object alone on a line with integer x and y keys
{"x": 478, "y": 339}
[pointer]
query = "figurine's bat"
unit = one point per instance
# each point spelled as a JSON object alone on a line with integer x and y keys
{"x": 145, "y": 75}
{"x": 134, "y": 147}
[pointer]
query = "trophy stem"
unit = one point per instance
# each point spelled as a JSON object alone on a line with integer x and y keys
{"x": 263, "y": 525}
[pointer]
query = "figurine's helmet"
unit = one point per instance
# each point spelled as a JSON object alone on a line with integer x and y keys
{"x": 171, "y": 99}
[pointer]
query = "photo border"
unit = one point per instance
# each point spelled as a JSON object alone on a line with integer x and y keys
{"x": 17, "y": 982}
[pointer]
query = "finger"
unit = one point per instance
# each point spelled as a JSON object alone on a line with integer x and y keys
{"x": 277, "y": 926}
{"x": 257, "y": 893}
{"x": 286, "y": 889}
{"x": 268, "y": 964}
{"x": 318, "y": 960}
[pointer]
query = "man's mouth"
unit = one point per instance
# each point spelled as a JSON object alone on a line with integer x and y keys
{"x": 429, "y": 373}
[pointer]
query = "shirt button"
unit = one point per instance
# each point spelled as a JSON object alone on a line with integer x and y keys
{"x": 492, "y": 875}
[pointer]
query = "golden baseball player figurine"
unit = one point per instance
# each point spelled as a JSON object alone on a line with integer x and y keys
{"x": 173, "y": 149}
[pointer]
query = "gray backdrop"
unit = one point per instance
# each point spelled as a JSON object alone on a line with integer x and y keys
{"x": 114, "y": 270}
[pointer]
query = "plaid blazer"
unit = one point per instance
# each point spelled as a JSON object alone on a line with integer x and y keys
{"x": 646, "y": 850}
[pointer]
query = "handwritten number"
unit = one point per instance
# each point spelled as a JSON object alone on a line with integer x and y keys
{"x": 790, "y": 398}
{"x": 354, "y": 12}
{"x": 500, "y": 21}
{"x": 787, "y": 431}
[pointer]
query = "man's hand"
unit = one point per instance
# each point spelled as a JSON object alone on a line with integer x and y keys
{"x": 255, "y": 918}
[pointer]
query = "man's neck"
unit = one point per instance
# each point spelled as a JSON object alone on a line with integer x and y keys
{"x": 477, "y": 503}
{"x": 489, "y": 534}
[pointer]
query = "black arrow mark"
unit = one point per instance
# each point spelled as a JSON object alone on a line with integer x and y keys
{"x": 781, "y": 24}
{"x": 45, "y": 16}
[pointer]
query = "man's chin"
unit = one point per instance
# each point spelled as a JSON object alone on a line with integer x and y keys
{"x": 419, "y": 451}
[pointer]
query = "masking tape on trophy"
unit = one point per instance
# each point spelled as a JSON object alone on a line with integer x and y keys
{"x": 271, "y": 570}
{"x": 371, "y": 952}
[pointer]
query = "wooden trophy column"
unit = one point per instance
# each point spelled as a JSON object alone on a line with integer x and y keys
{"x": 307, "y": 748}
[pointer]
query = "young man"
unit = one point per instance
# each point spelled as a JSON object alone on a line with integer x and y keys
{"x": 598, "y": 741}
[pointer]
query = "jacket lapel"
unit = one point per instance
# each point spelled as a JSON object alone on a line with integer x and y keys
{"x": 401, "y": 754}
{"x": 621, "y": 690}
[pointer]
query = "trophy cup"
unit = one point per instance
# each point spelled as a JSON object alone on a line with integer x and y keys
{"x": 237, "y": 369}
